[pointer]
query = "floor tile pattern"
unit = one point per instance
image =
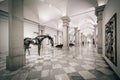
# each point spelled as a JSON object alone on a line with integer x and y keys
{"x": 81, "y": 63}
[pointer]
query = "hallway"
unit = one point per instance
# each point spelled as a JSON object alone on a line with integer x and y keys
{"x": 81, "y": 63}
{"x": 36, "y": 24}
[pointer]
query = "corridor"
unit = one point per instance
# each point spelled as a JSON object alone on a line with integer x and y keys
{"x": 80, "y": 63}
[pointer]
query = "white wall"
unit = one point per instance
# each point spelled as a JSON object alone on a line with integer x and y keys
{"x": 29, "y": 29}
{"x": 112, "y": 7}
{"x": 3, "y": 34}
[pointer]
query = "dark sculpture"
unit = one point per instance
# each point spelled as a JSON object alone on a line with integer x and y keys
{"x": 37, "y": 41}
{"x": 71, "y": 44}
{"x": 61, "y": 45}
{"x": 27, "y": 42}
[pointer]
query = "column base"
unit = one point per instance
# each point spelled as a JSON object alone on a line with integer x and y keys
{"x": 65, "y": 48}
{"x": 15, "y": 62}
{"x": 77, "y": 45}
{"x": 99, "y": 50}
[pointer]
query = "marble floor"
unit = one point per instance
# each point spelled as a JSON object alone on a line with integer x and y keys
{"x": 80, "y": 63}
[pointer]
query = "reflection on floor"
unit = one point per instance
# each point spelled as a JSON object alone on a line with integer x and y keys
{"x": 81, "y": 63}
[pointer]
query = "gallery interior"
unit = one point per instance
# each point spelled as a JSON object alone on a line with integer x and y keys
{"x": 59, "y": 40}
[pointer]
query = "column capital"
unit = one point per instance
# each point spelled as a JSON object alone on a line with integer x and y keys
{"x": 99, "y": 10}
{"x": 65, "y": 19}
{"x": 76, "y": 28}
{"x": 42, "y": 27}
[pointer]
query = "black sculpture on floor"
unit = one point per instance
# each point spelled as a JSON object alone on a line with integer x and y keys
{"x": 27, "y": 42}
{"x": 61, "y": 45}
{"x": 37, "y": 41}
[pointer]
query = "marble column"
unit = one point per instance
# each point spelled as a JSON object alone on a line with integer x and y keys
{"x": 66, "y": 21}
{"x": 42, "y": 32}
{"x": 57, "y": 41}
{"x": 16, "y": 57}
{"x": 95, "y": 35}
{"x": 39, "y": 29}
{"x": 60, "y": 37}
{"x": 83, "y": 39}
{"x": 76, "y": 37}
{"x": 99, "y": 10}
{"x": 79, "y": 37}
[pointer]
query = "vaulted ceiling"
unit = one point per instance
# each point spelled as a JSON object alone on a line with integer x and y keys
{"x": 49, "y": 12}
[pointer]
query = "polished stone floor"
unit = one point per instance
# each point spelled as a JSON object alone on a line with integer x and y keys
{"x": 81, "y": 63}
